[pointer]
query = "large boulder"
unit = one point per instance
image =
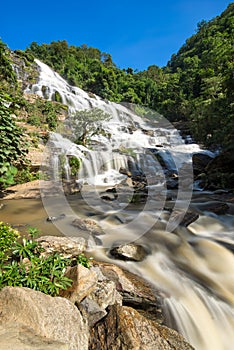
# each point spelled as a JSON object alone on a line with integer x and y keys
{"x": 14, "y": 336}
{"x": 55, "y": 319}
{"x": 125, "y": 329}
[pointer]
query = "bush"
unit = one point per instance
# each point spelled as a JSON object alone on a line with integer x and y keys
{"x": 22, "y": 265}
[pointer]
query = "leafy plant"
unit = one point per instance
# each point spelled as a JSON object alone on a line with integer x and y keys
{"x": 23, "y": 265}
{"x": 13, "y": 143}
{"x": 83, "y": 260}
{"x": 75, "y": 164}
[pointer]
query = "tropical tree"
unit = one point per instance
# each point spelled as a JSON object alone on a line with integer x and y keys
{"x": 87, "y": 123}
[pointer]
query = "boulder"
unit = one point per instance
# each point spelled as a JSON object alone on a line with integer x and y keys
{"x": 14, "y": 336}
{"x": 84, "y": 281}
{"x": 220, "y": 172}
{"x": 129, "y": 251}
{"x": 200, "y": 161}
{"x": 69, "y": 247}
{"x": 125, "y": 329}
{"x": 104, "y": 295}
{"x": 54, "y": 318}
{"x": 135, "y": 291}
{"x": 87, "y": 225}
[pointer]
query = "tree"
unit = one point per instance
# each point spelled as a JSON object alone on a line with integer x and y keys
{"x": 87, "y": 123}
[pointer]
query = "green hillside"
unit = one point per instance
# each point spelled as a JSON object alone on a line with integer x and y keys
{"x": 195, "y": 87}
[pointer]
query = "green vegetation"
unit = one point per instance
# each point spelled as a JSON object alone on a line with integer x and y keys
{"x": 74, "y": 164}
{"x": 22, "y": 265}
{"x": 87, "y": 123}
{"x": 13, "y": 144}
{"x": 15, "y": 109}
{"x": 195, "y": 87}
{"x": 43, "y": 113}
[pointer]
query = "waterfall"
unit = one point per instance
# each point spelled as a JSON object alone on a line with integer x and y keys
{"x": 191, "y": 266}
{"x": 127, "y": 129}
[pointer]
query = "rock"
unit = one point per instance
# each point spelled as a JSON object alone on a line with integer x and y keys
{"x": 104, "y": 295}
{"x": 27, "y": 190}
{"x": 55, "y": 218}
{"x": 129, "y": 251}
{"x": 125, "y": 329}
{"x": 14, "y": 336}
{"x": 54, "y": 318}
{"x": 172, "y": 183}
{"x": 88, "y": 225}
{"x": 71, "y": 186}
{"x": 125, "y": 172}
{"x": 149, "y": 132}
{"x": 68, "y": 247}
{"x": 220, "y": 171}
{"x": 108, "y": 198}
{"x": 189, "y": 218}
{"x": 215, "y": 207}
{"x": 200, "y": 161}
{"x": 84, "y": 282}
{"x": 135, "y": 291}
{"x": 92, "y": 311}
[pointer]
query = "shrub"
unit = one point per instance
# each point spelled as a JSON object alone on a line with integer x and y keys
{"x": 22, "y": 265}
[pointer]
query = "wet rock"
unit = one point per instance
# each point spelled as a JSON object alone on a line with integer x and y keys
{"x": 189, "y": 218}
{"x": 148, "y": 132}
{"x": 66, "y": 246}
{"x": 54, "y": 318}
{"x": 125, "y": 172}
{"x": 124, "y": 329}
{"x": 129, "y": 251}
{"x": 88, "y": 225}
{"x": 84, "y": 282}
{"x": 55, "y": 218}
{"x": 108, "y": 198}
{"x": 172, "y": 183}
{"x": 218, "y": 208}
{"x": 200, "y": 161}
{"x": 111, "y": 190}
{"x": 220, "y": 171}
{"x": 71, "y": 186}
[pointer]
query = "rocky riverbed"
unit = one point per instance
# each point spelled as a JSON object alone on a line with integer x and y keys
{"x": 105, "y": 308}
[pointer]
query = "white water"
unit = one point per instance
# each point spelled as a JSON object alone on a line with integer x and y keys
{"x": 194, "y": 272}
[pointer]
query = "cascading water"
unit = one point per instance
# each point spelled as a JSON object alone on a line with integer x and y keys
{"x": 191, "y": 266}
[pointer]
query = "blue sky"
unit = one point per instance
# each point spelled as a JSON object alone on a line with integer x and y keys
{"x": 136, "y": 33}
